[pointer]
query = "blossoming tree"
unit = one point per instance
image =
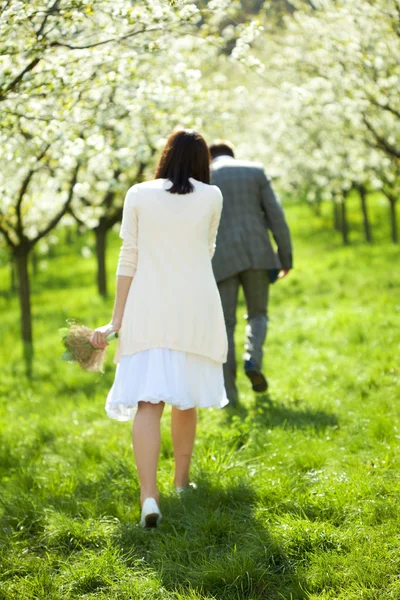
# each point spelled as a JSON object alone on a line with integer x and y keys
{"x": 326, "y": 111}
{"x": 73, "y": 91}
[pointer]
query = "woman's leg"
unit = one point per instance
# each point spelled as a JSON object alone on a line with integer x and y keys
{"x": 146, "y": 439}
{"x": 183, "y": 430}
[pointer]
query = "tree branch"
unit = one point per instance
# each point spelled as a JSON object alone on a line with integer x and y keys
{"x": 19, "y": 115}
{"x": 386, "y": 107}
{"x": 85, "y": 202}
{"x": 47, "y": 15}
{"x": 382, "y": 142}
{"x": 114, "y": 218}
{"x": 109, "y": 196}
{"x": 142, "y": 166}
{"x": 6, "y": 234}
{"x": 19, "y": 77}
{"x": 389, "y": 195}
{"x": 71, "y": 212}
{"x": 107, "y": 41}
{"x": 54, "y": 221}
{"x": 4, "y": 7}
{"x": 22, "y": 192}
{"x": 36, "y": 60}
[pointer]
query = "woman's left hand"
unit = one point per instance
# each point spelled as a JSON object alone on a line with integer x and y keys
{"x": 98, "y": 339}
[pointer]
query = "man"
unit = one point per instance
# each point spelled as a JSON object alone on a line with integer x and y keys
{"x": 244, "y": 255}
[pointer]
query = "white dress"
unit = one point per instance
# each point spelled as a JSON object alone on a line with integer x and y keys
{"x": 178, "y": 378}
{"x": 172, "y": 342}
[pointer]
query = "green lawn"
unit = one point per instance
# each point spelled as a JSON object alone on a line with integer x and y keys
{"x": 298, "y": 491}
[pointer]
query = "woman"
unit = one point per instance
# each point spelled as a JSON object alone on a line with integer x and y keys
{"x": 172, "y": 339}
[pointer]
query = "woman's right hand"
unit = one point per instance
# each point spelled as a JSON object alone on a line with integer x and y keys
{"x": 98, "y": 339}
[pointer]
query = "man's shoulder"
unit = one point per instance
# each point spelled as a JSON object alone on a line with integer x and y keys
{"x": 250, "y": 164}
{"x": 238, "y": 165}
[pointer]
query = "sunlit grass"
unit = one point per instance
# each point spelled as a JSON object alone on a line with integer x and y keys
{"x": 297, "y": 492}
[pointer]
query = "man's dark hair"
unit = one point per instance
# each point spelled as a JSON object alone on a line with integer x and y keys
{"x": 221, "y": 148}
{"x": 185, "y": 155}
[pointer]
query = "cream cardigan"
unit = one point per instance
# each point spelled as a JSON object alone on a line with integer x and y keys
{"x": 168, "y": 242}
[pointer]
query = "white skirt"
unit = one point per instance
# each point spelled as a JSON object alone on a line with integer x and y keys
{"x": 158, "y": 375}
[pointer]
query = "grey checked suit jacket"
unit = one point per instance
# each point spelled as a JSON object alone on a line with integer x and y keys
{"x": 249, "y": 210}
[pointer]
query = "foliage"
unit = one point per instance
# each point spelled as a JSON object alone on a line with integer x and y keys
{"x": 87, "y": 96}
{"x": 78, "y": 79}
{"x": 330, "y": 108}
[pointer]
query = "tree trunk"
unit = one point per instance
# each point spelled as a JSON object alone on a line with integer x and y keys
{"x": 364, "y": 209}
{"x": 393, "y": 220}
{"x": 336, "y": 216}
{"x": 318, "y": 205}
{"x": 21, "y": 257}
{"x": 101, "y": 244}
{"x": 79, "y": 230}
{"x": 34, "y": 261}
{"x": 69, "y": 239}
{"x": 13, "y": 279}
{"x": 344, "y": 227}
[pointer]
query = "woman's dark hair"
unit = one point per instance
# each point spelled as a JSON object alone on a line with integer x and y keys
{"x": 185, "y": 155}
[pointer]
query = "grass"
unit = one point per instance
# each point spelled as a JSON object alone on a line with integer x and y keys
{"x": 298, "y": 491}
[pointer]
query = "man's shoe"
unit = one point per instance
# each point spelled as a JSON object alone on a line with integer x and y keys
{"x": 258, "y": 381}
{"x": 151, "y": 515}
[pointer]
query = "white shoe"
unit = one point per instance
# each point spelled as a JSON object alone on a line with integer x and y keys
{"x": 181, "y": 490}
{"x": 151, "y": 515}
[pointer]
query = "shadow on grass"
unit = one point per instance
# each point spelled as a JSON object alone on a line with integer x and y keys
{"x": 269, "y": 413}
{"x": 212, "y": 542}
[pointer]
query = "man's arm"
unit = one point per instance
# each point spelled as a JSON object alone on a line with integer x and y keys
{"x": 276, "y": 222}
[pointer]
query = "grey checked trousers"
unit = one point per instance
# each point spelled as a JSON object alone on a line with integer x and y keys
{"x": 255, "y": 284}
